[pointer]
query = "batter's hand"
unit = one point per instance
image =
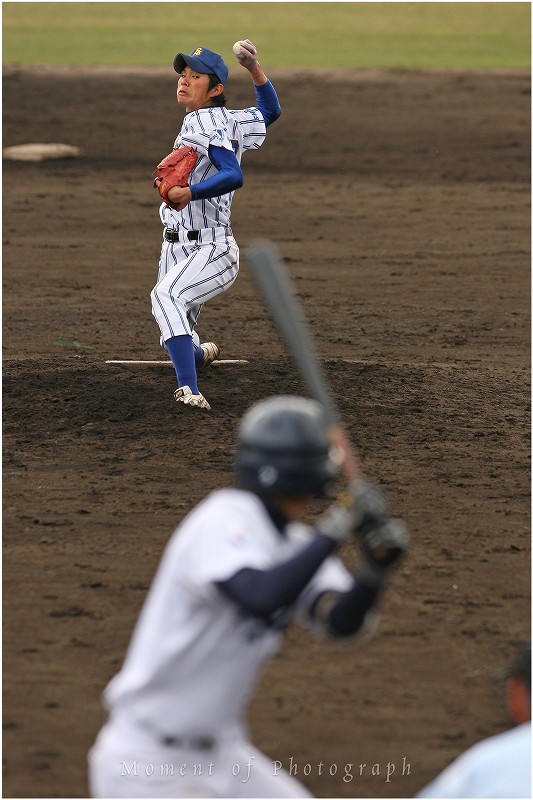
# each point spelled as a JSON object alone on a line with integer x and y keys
{"x": 346, "y": 454}
{"x": 357, "y": 507}
{"x": 247, "y": 53}
{"x": 383, "y": 543}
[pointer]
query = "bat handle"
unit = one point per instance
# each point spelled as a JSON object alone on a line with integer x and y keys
{"x": 350, "y": 466}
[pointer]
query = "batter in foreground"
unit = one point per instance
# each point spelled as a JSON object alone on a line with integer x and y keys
{"x": 234, "y": 573}
{"x": 199, "y": 256}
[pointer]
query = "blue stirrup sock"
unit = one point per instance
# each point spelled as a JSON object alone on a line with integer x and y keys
{"x": 198, "y": 355}
{"x": 181, "y": 352}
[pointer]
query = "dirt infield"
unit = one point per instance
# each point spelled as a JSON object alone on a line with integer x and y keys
{"x": 401, "y": 204}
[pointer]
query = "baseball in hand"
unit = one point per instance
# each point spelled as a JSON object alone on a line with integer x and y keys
{"x": 245, "y": 51}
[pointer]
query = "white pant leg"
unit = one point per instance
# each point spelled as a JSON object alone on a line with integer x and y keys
{"x": 188, "y": 277}
{"x": 125, "y": 762}
{"x": 256, "y": 775}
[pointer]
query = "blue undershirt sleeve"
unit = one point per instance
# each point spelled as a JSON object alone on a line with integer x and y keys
{"x": 348, "y": 614}
{"x": 228, "y": 178}
{"x": 262, "y": 592}
{"x": 267, "y": 102}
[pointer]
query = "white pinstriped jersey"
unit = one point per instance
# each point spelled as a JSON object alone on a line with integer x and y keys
{"x": 195, "y": 657}
{"x": 238, "y": 130}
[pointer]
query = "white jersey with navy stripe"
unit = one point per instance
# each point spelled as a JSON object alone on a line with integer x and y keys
{"x": 195, "y": 659}
{"x": 196, "y": 656}
{"x": 237, "y": 130}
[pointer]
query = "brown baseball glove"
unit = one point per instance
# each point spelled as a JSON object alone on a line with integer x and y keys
{"x": 175, "y": 170}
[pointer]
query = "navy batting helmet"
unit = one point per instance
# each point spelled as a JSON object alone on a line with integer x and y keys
{"x": 284, "y": 448}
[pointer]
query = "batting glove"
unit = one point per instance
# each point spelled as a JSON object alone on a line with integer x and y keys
{"x": 383, "y": 542}
{"x": 361, "y": 503}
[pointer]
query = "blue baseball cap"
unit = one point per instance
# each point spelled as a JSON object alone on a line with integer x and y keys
{"x": 204, "y": 61}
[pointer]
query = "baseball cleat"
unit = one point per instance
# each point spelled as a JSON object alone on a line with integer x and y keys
{"x": 211, "y": 353}
{"x": 184, "y": 395}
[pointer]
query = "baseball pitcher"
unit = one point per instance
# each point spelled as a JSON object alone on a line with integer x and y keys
{"x": 197, "y": 180}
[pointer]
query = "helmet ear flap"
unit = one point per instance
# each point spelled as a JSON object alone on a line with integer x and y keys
{"x": 284, "y": 448}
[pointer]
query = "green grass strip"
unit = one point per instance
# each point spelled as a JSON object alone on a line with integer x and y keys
{"x": 321, "y": 34}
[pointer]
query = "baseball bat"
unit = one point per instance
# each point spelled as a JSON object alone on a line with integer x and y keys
{"x": 274, "y": 284}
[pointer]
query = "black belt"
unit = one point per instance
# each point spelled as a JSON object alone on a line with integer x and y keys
{"x": 174, "y": 236}
{"x": 194, "y": 743}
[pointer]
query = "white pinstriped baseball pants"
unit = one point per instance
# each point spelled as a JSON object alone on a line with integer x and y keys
{"x": 190, "y": 273}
